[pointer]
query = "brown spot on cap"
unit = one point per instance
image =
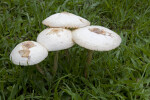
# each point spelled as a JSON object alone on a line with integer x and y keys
{"x": 97, "y": 30}
{"x": 55, "y": 31}
{"x": 81, "y": 20}
{"x": 27, "y": 45}
{"x": 65, "y": 12}
{"x": 24, "y": 53}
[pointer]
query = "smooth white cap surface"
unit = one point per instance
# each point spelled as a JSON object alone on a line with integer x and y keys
{"x": 65, "y": 20}
{"x": 55, "y": 39}
{"x": 28, "y": 53}
{"x": 96, "y": 38}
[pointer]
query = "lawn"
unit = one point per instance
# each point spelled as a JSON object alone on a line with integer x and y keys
{"x": 119, "y": 74}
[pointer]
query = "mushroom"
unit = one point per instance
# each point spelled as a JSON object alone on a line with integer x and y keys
{"x": 28, "y": 53}
{"x": 55, "y": 39}
{"x": 65, "y": 20}
{"x": 95, "y": 38}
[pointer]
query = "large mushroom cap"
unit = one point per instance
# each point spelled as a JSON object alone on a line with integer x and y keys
{"x": 28, "y": 53}
{"x": 65, "y": 20}
{"x": 55, "y": 39}
{"x": 96, "y": 38}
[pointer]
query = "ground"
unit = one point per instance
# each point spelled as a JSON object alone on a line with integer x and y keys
{"x": 119, "y": 74}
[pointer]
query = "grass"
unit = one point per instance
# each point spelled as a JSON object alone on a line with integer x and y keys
{"x": 120, "y": 74}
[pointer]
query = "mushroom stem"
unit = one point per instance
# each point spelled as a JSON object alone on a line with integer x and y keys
{"x": 39, "y": 69}
{"x": 67, "y": 54}
{"x": 55, "y": 63}
{"x": 89, "y": 58}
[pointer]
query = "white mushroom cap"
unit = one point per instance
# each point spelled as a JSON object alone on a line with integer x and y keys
{"x": 28, "y": 53}
{"x": 65, "y": 20}
{"x": 96, "y": 38}
{"x": 55, "y": 39}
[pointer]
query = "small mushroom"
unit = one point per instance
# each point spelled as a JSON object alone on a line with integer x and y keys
{"x": 55, "y": 39}
{"x": 28, "y": 53}
{"x": 65, "y": 20}
{"x": 96, "y": 38}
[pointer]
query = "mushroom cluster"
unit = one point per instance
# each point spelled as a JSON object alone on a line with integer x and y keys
{"x": 64, "y": 30}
